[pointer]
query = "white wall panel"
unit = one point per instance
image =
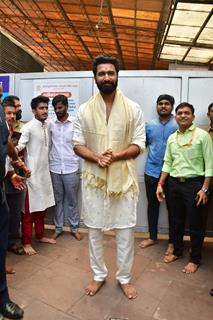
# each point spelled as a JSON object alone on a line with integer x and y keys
{"x": 143, "y": 87}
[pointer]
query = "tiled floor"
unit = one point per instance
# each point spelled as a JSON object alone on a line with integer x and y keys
{"x": 50, "y": 285}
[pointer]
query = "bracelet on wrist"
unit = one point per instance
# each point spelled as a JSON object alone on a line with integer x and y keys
{"x": 161, "y": 183}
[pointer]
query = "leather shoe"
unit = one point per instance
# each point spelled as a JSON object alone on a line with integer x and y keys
{"x": 11, "y": 310}
{"x": 76, "y": 235}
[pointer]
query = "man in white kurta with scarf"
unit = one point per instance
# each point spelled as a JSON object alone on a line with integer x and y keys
{"x": 34, "y": 141}
{"x": 109, "y": 135}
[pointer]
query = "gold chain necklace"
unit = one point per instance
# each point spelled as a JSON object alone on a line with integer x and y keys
{"x": 189, "y": 143}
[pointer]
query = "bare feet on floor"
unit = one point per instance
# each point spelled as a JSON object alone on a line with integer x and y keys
{"x": 190, "y": 268}
{"x": 10, "y": 270}
{"x": 147, "y": 243}
{"x": 56, "y": 235}
{"x": 170, "y": 249}
{"x": 47, "y": 240}
{"x": 28, "y": 249}
{"x": 94, "y": 287}
{"x": 129, "y": 290}
{"x": 170, "y": 258}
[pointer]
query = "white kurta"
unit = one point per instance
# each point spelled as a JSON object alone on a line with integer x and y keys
{"x": 99, "y": 210}
{"x": 34, "y": 139}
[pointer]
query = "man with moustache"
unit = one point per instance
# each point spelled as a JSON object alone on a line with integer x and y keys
{"x": 188, "y": 162}
{"x": 157, "y": 132}
{"x": 64, "y": 168}
{"x": 18, "y": 123}
{"x": 39, "y": 197}
{"x": 109, "y": 135}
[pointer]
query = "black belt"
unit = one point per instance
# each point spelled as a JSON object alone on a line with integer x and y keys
{"x": 183, "y": 179}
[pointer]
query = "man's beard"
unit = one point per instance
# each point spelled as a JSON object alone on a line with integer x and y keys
{"x": 106, "y": 88}
{"x": 61, "y": 114}
{"x": 18, "y": 115}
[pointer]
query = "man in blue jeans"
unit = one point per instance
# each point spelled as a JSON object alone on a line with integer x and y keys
{"x": 64, "y": 168}
{"x": 157, "y": 133}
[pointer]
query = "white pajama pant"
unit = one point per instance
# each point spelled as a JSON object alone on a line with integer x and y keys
{"x": 125, "y": 254}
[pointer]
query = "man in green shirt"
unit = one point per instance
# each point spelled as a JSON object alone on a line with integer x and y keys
{"x": 188, "y": 162}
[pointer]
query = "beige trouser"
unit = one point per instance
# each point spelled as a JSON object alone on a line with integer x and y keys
{"x": 125, "y": 254}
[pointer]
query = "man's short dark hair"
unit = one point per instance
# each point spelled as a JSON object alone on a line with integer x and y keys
{"x": 60, "y": 98}
{"x": 104, "y": 58}
{"x": 183, "y": 105}
{"x": 8, "y": 102}
{"x": 167, "y": 97}
{"x": 12, "y": 97}
{"x": 35, "y": 101}
{"x": 210, "y": 106}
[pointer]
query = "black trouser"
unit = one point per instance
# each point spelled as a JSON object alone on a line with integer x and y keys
{"x": 15, "y": 203}
{"x": 151, "y": 184}
{"x": 183, "y": 203}
{"x": 4, "y": 224}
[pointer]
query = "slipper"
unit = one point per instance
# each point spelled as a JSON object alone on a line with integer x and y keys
{"x": 16, "y": 250}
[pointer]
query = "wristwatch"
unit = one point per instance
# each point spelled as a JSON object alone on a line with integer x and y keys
{"x": 205, "y": 190}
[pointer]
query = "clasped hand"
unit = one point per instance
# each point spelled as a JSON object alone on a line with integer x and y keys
{"x": 106, "y": 158}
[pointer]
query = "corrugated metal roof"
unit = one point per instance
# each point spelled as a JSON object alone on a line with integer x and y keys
{"x": 68, "y": 34}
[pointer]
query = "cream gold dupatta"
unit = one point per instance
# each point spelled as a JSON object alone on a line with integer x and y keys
{"x": 120, "y": 177}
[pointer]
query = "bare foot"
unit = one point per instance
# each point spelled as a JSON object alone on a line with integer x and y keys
{"x": 94, "y": 287}
{"x": 129, "y": 290}
{"x": 10, "y": 270}
{"x": 28, "y": 249}
{"x": 170, "y": 249}
{"x": 147, "y": 243}
{"x": 170, "y": 258}
{"x": 47, "y": 240}
{"x": 56, "y": 235}
{"x": 190, "y": 268}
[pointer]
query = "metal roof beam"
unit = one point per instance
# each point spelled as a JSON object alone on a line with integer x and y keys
{"x": 36, "y": 27}
{"x": 115, "y": 35}
{"x": 198, "y": 34}
{"x": 70, "y": 24}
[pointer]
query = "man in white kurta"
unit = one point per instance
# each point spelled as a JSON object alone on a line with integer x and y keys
{"x": 109, "y": 134}
{"x": 34, "y": 141}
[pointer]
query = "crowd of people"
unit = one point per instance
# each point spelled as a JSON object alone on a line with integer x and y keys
{"x": 40, "y": 168}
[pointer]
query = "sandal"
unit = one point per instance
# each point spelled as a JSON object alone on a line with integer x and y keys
{"x": 16, "y": 250}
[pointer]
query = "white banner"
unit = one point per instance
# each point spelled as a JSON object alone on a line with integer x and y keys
{"x": 52, "y": 87}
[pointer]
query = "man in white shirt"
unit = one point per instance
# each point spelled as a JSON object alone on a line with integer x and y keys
{"x": 64, "y": 168}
